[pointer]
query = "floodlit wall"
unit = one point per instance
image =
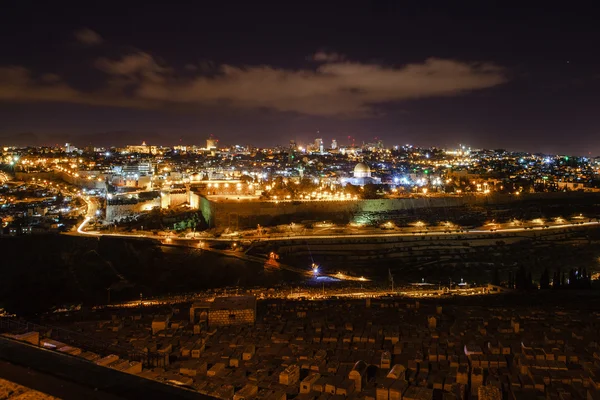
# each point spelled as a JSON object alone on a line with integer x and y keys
{"x": 247, "y": 214}
{"x": 174, "y": 198}
{"x": 116, "y": 212}
{"x": 194, "y": 200}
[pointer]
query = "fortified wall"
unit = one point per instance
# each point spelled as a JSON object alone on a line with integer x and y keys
{"x": 247, "y": 214}
{"x": 80, "y": 181}
{"x": 120, "y": 209}
{"x": 174, "y": 198}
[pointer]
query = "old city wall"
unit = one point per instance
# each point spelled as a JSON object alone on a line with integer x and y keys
{"x": 246, "y": 214}
{"x": 82, "y": 182}
{"x": 115, "y": 212}
{"x": 26, "y": 176}
{"x": 249, "y": 214}
{"x": 178, "y": 198}
{"x": 174, "y": 199}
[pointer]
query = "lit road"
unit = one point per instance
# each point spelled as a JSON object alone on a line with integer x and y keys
{"x": 198, "y": 244}
{"x": 407, "y": 234}
{"x": 284, "y": 237}
{"x": 92, "y": 206}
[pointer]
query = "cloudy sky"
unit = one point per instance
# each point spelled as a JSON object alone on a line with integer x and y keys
{"x": 247, "y": 73}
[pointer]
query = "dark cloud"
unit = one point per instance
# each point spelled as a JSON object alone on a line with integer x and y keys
{"x": 88, "y": 37}
{"x": 335, "y": 88}
{"x": 50, "y": 78}
{"x": 17, "y": 84}
{"x": 322, "y": 56}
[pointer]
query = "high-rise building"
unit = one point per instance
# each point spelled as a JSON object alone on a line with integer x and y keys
{"x": 334, "y": 144}
{"x": 318, "y": 146}
{"x": 211, "y": 144}
{"x": 292, "y": 151}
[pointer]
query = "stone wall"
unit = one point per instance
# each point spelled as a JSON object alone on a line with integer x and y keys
{"x": 116, "y": 212}
{"x": 178, "y": 198}
{"x": 247, "y": 214}
{"x": 231, "y": 317}
{"x": 172, "y": 199}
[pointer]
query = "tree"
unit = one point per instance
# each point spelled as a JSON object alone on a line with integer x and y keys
{"x": 545, "y": 279}
{"x": 572, "y": 278}
{"x": 587, "y": 281}
{"x": 247, "y": 179}
{"x": 496, "y": 277}
{"x": 306, "y": 186}
{"x": 520, "y": 278}
{"x": 370, "y": 191}
{"x": 556, "y": 280}
{"x": 352, "y": 189}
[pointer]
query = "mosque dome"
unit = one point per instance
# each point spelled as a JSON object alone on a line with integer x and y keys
{"x": 362, "y": 170}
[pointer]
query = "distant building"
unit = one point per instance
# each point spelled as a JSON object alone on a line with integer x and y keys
{"x": 318, "y": 145}
{"x": 362, "y": 176}
{"x": 334, "y": 144}
{"x": 211, "y": 144}
{"x": 137, "y": 169}
{"x": 292, "y": 151}
{"x": 219, "y": 187}
{"x": 141, "y": 149}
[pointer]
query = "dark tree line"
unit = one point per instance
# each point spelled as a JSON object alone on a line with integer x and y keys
{"x": 575, "y": 278}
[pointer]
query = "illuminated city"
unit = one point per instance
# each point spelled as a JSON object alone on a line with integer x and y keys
{"x": 371, "y": 201}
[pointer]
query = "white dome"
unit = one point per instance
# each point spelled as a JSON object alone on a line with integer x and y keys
{"x": 362, "y": 170}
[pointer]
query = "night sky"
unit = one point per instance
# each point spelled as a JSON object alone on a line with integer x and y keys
{"x": 120, "y": 72}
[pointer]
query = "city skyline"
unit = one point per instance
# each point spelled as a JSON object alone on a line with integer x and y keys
{"x": 263, "y": 75}
{"x": 372, "y": 199}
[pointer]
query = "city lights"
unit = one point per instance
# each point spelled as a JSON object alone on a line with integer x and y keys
{"x": 299, "y": 201}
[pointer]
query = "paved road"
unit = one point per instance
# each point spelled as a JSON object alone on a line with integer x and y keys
{"x": 92, "y": 207}
{"x": 354, "y": 235}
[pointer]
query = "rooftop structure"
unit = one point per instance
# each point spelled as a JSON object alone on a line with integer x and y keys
{"x": 233, "y": 310}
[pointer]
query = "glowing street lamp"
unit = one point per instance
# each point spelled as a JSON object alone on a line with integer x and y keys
{"x": 315, "y": 269}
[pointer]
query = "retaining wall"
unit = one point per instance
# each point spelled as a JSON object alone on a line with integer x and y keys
{"x": 247, "y": 214}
